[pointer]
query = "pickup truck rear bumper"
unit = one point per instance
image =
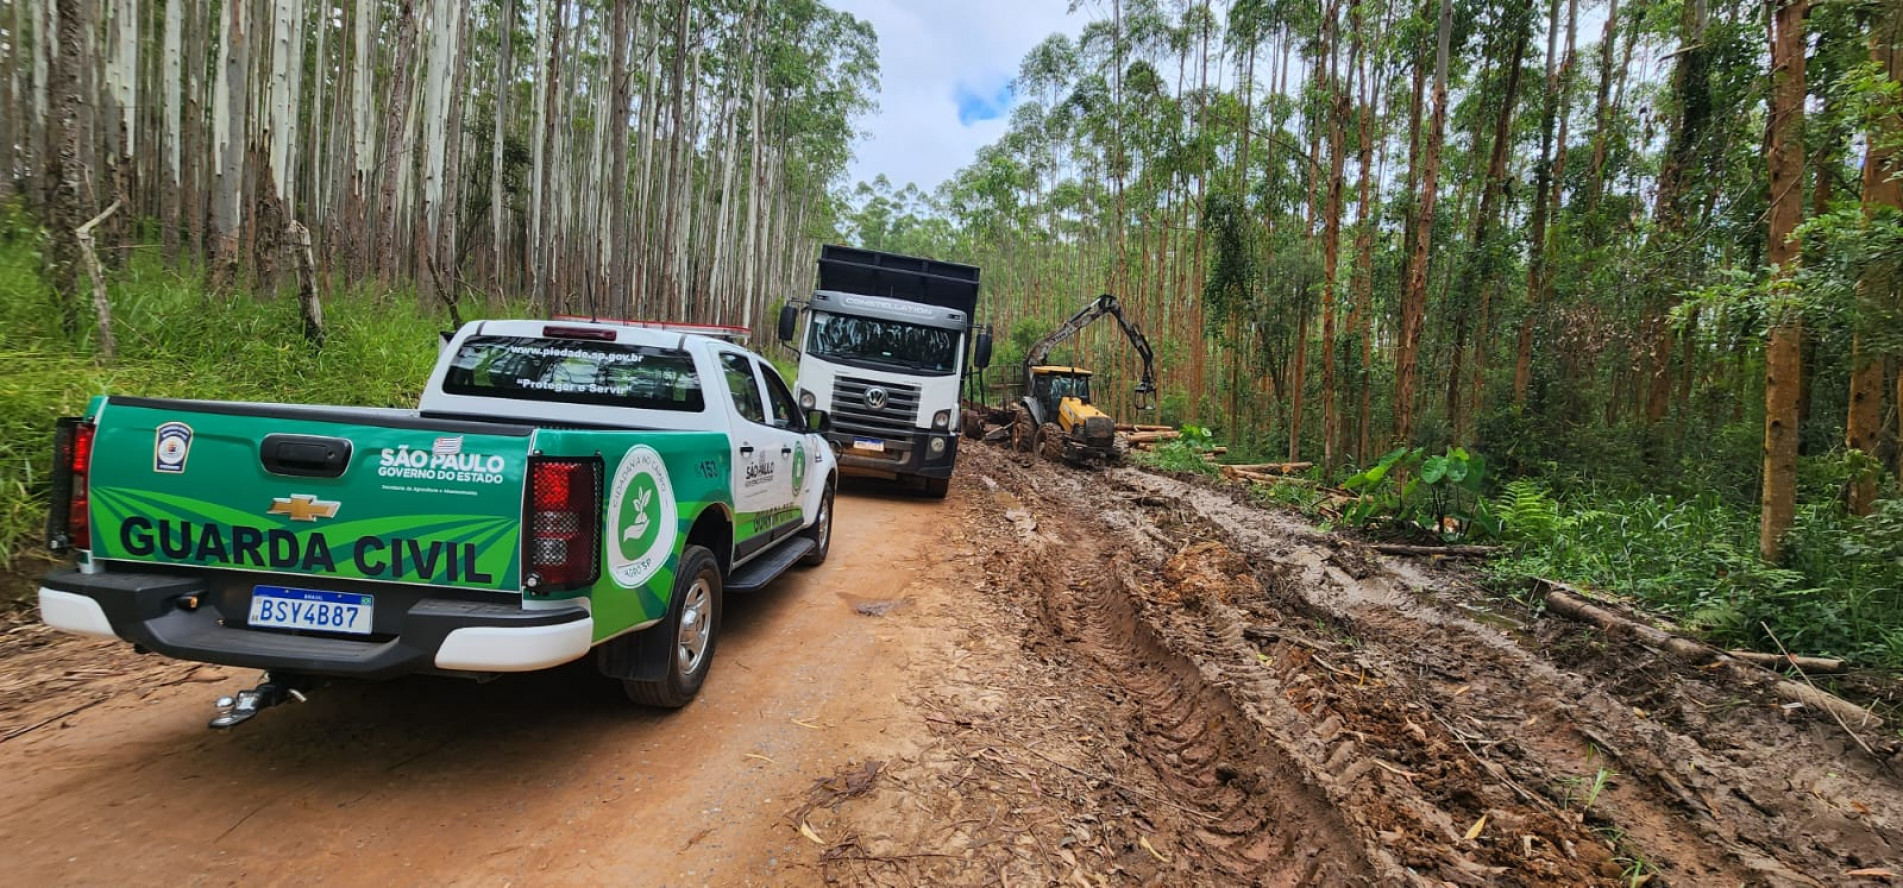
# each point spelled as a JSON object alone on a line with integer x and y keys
{"x": 439, "y": 635}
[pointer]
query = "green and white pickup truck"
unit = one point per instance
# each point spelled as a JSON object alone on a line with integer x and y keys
{"x": 564, "y": 488}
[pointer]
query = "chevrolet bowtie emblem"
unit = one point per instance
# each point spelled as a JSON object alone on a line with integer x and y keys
{"x": 303, "y": 507}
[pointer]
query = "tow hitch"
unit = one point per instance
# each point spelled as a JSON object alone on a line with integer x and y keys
{"x": 276, "y": 688}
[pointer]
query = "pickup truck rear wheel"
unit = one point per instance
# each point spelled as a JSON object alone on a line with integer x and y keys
{"x": 821, "y": 532}
{"x": 689, "y": 631}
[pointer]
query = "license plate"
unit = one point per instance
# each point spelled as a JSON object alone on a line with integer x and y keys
{"x": 281, "y": 608}
{"x": 873, "y": 444}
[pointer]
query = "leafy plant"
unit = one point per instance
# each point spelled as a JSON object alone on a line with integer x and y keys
{"x": 1439, "y": 494}
{"x": 1183, "y": 454}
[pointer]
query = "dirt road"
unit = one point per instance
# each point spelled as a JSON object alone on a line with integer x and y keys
{"x": 1054, "y": 678}
{"x": 533, "y": 779}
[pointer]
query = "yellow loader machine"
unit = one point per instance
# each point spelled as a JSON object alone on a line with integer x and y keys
{"x": 1056, "y": 415}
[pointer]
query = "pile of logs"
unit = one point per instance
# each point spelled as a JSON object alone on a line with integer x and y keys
{"x": 1266, "y": 473}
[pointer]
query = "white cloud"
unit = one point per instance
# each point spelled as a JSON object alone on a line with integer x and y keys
{"x": 941, "y": 61}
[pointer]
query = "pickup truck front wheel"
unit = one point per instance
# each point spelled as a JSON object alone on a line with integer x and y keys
{"x": 821, "y": 531}
{"x": 685, "y": 637}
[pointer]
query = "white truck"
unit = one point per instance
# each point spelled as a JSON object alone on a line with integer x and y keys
{"x": 889, "y": 341}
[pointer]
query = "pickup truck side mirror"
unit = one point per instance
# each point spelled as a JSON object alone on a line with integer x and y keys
{"x": 981, "y": 350}
{"x": 788, "y": 317}
{"x": 819, "y": 421}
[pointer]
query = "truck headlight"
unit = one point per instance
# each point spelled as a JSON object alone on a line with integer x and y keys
{"x": 807, "y": 401}
{"x": 937, "y": 446}
{"x": 941, "y": 420}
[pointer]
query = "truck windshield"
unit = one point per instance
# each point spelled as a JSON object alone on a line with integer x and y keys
{"x": 895, "y": 344}
{"x": 574, "y": 372}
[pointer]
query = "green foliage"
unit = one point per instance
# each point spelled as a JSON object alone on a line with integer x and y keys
{"x": 1185, "y": 454}
{"x": 175, "y": 340}
{"x": 1695, "y": 559}
{"x": 1437, "y": 494}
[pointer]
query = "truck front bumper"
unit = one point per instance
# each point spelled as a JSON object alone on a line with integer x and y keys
{"x": 910, "y": 455}
{"x": 168, "y": 614}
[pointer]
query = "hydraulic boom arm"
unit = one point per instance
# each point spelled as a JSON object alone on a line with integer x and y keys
{"x": 1102, "y": 305}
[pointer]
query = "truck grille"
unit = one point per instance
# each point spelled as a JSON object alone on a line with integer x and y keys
{"x": 852, "y": 412}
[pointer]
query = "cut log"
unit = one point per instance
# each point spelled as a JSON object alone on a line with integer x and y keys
{"x": 102, "y": 309}
{"x": 1141, "y": 427}
{"x": 1281, "y": 468}
{"x": 1153, "y": 437}
{"x": 1813, "y": 665}
{"x": 1447, "y": 551}
{"x": 1562, "y": 599}
{"x": 1251, "y": 473}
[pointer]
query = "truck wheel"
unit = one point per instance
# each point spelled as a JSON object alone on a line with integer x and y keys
{"x": 1051, "y": 441}
{"x": 689, "y": 631}
{"x": 936, "y": 488}
{"x": 1023, "y": 430}
{"x": 821, "y": 533}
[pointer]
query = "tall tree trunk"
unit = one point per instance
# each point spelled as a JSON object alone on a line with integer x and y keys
{"x": 396, "y": 142}
{"x": 1363, "y": 284}
{"x": 1339, "y": 107}
{"x": 1881, "y": 166}
{"x": 171, "y": 219}
{"x": 498, "y": 206}
{"x": 1492, "y": 193}
{"x": 230, "y": 103}
{"x": 449, "y": 227}
{"x": 1537, "y": 237}
{"x": 1414, "y": 300}
{"x": 1782, "y": 357}
{"x": 1602, "y": 110}
{"x": 1690, "y": 86}
{"x": 547, "y": 54}
{"x": 65, "y": 209}
{"x": 621, "y": 101}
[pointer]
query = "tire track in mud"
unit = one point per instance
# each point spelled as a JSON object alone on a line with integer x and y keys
{"x": 1264, "y": 818}
{"x": 1263, "y": 821}
{"x": 1492, "y": 727}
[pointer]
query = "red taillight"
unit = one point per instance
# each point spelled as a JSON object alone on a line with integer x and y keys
{"x": 562, "y": 549}
{"x": 68, "y": 525}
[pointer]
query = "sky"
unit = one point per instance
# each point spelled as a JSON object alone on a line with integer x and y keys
{"x": 945, "y": 71}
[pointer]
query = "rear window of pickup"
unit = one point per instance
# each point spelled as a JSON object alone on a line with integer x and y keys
{"x": 568, "y": 371}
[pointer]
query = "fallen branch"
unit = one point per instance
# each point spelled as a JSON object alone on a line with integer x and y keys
{"x": 1813, "y": 686}
{"x": 1563, "y": 600}
{"x": 1446, "y": 551}
{"x": 101, "y": 308}
{"x": 1819, "y": 665}
{"x": 28, "y": 729}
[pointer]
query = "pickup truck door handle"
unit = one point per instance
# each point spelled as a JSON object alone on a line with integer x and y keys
{"x": 746, "y": 449}
{"x": 786, "y": 450}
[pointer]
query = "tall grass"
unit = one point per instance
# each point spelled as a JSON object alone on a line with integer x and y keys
{"x": 177, "y": 340}
{"x": 1839, "y": 591}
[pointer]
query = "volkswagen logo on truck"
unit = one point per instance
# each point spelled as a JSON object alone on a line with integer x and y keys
{"x": 875, "y": 398}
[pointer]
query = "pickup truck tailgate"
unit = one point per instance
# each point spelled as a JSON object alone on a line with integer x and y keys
{"x": 328, "y": 492}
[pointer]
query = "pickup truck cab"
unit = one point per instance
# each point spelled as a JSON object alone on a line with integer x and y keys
{"x": 564, "y": 488}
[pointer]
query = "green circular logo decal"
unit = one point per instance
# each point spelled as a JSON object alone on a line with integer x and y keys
{"x": 644, "y": 517}
{"x": 799, "y": 467}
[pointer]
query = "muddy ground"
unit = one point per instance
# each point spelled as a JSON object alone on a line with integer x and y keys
{"x": 1054, "y": 678}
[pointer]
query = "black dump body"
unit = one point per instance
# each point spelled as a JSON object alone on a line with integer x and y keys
{"x": 873, "y": 273}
